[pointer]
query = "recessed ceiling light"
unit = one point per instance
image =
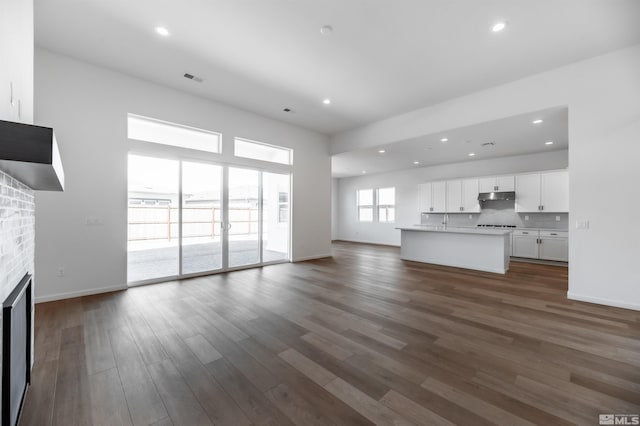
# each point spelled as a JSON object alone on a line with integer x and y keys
{"x": 364, "y": 171}
{"x": 548, "y": 143}
{"x": 382, "y": 151}
{"x": 498, "y": 26}
{"x": 326, "y": 29}
{"x": 538, "y": 121}
{"x": 416, "y": 162}
{"x": 326, "y": 101}
{"x": 163, "y": 31}
{"x": 471, "y": 154}
{"x": 444, "y": 140}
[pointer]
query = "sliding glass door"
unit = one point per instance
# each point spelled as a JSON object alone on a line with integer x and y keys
{"x": 243, "y": 217}
{"x": 201, "y": 217}
{"x": 190, "y": 218}
{"x": 276, "y": 211}
{"x": 153, "y": 243}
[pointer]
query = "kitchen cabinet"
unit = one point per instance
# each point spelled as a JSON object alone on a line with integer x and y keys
{"x": 497, "y": 184}
{"x": 542, "y": 192}
{"x": 16, "y": 51}
{"x": 462, "y": 196}
{"x": 525, "y": 244}
{"x": 454, "y": 196}
{"x": 470, "y": 192}
{"x": 545, "y": 245}
{"x": 554, "y": 191}
{"x": 554, "y": 246}
{"x": 433, "y": 197}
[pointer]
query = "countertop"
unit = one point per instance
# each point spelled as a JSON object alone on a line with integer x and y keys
{"x": 457, "y": 230}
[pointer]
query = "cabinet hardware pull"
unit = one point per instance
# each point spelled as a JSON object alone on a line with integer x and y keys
{"x": 553, "y": 233}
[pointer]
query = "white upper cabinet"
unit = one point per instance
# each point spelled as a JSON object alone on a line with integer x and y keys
{"x": 425, "y": 198}
{"x": 439, "y": 197}
{"x": 543, "y": 192}
{"x": 454, "y": 196}
{"x": 528, "y": 193}
{"x": 16, "y": 51}
{"x": 462, "y": 196}
{"x": 470, "y": 192}
{"x": 554, "y": 192}
{"x": 506, "y": 183}
{"x": 493, "y": 184}
{"x": 432, "y": 197}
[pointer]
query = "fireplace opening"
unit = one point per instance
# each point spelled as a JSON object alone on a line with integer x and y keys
{"x": 16, "y": 350}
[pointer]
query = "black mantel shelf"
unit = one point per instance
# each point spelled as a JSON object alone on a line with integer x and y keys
{"x": 30, "y": 154}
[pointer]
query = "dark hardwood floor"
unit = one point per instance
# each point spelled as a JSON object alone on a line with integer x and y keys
{"x": 362, "y": 338}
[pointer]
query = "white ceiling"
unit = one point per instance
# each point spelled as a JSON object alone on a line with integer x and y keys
{"x": 384, "y": 57}
{"x": 512, "y": 136}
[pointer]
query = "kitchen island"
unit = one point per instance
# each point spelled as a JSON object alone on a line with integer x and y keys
{"x": 470, "y": 248}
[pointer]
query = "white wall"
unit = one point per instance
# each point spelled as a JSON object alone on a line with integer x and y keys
{"x": 407, "y": 193}
{"x": 335, "y": 197}
{"x": 602, "y": 94}
{"x": 88, "y": 106}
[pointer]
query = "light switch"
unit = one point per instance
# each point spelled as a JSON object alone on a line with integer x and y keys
{"x": 557, "y": 218}
{"x": 526, "y": 218}
{"x": 582, "y": 224}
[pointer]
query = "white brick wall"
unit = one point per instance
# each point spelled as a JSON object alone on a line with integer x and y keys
{"x": 17, "y": 232}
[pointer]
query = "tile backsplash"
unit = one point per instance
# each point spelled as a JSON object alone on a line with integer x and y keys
{"x": 501, "y": 213}
{"x": 17, "y": 232}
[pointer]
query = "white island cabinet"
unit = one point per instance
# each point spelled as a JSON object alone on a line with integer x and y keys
{"x": 470, "y": 248}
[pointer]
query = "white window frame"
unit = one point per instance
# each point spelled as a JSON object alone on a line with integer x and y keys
{"x": 386, "y": 207}
{"x": 254, "y": 142}
{"x": 366, "y": 206}
{"x": 215, "y": 150}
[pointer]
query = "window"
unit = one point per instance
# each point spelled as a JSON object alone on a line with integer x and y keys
{"x": 162, "y": 132}
{"x": 262, "y": 151}
{"x": 381, "y": 200}
{"x": 365, "y": 205}
{"x": 283, "y": 207}
{"x": 386, "y": 205}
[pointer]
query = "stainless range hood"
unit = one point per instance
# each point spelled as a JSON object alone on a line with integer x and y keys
{"x": 30, "y": 154}
{"x": 497, "y": 196}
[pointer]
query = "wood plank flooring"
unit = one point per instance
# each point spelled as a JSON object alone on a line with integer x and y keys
{"x": 360, "y": 338}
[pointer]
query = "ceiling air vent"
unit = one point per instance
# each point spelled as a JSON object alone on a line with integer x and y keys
{"x": 193, "y": 77}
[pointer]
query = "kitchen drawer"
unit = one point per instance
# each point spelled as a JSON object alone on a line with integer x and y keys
{"x": 526, "y": 232}
{"x": 554, "y": 234}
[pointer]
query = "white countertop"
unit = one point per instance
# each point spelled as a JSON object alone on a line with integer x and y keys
{"x": 457, "y": 230}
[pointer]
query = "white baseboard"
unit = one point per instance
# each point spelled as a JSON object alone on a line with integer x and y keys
{"x": 305, "y": 258}
{"x": 601, "y": 301}
{"x": 72, "y": 294}
{"x": 375, "y": 243}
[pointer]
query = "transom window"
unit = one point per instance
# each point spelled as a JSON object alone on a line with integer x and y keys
{"x": 165, "y": 133}
{"x": 262, "y": 151}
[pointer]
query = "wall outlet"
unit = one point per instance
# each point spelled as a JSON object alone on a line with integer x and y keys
{"x": 557, "y": 218}
{"x": 526, "y": 218}
{"x": 582, "y": 224}
{"x": 60, "y": 272}
{"x": 94, "y": 221}
{"x": 470, "y": 216}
